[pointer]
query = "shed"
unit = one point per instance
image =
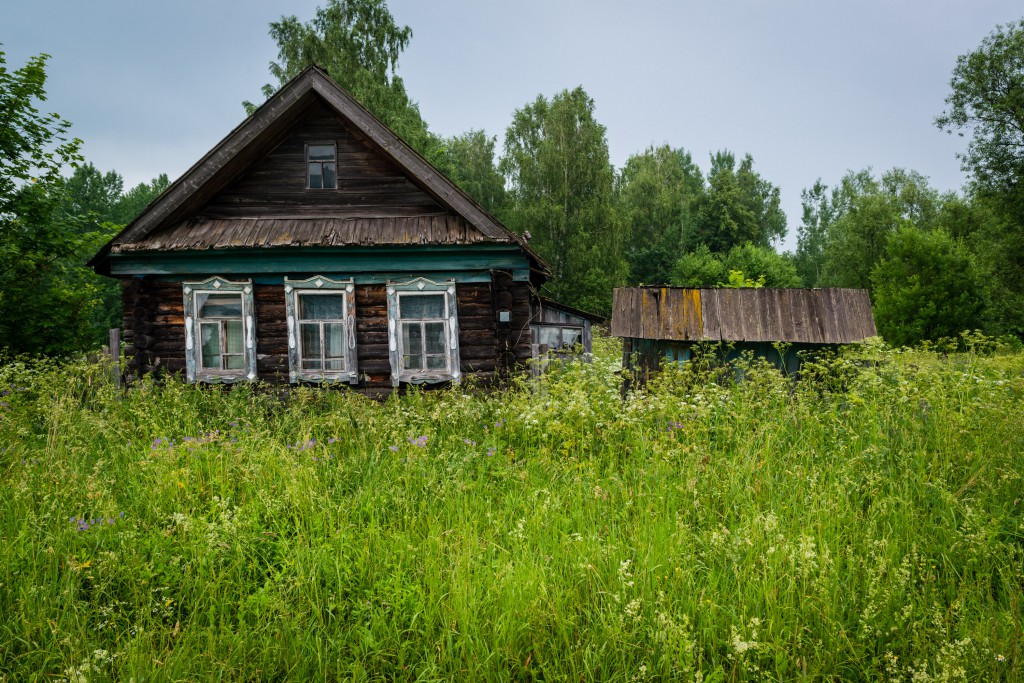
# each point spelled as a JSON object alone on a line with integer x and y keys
{"x": 659, "y": 324}
{"x": 559, "y": 329}
{"x": 312, "y": 244}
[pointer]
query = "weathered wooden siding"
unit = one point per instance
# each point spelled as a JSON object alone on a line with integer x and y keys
{"x": 368, "y": 183}
{"x": 812, "y": 316}
{"x": 155, "y": 331}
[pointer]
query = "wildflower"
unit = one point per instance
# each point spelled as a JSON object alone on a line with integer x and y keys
{"x": 491, "y": 451}
{"x": 469, "y": 442}
{"x": 419, "y": 441}
{"x": 393, "y": 449}
{"x": 1000, "y": 658}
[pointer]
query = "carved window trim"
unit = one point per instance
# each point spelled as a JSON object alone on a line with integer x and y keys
{"x": 395, "y": 291}
{"x": 293, "y": 289}
{"x": 193, "y": 333}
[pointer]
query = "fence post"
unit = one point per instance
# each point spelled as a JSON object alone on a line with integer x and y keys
{"x": 115, "y": 355}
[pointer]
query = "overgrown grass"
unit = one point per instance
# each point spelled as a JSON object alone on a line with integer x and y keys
{"x": 865, "y": 524}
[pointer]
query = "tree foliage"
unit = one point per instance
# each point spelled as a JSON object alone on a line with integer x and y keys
{"x": 863, "y": 211}
{"x": 926, "y": 287}
{"x": 471, "y": 165}
{"x": 987, "y": 101}
{"x": 358, "y": 43}
{"x": 560, "y": 178}
{"x": 739, "y": 206}
{"x": 47, "y": 299}
{"x": 656, "y": 193}
{"x": 744, "y": 265}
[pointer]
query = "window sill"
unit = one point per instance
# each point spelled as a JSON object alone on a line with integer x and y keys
{"x": 325, "y": 378}
{"x": 428, "y": 377}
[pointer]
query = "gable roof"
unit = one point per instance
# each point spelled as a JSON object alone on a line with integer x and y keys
{"x": 170, "y": 221}
{"x": 810, "y": 316}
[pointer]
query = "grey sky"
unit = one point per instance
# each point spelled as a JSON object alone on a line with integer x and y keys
{"x": 810, "y": 88}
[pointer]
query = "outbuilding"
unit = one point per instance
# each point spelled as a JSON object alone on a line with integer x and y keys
{"x": 664, "y": 324}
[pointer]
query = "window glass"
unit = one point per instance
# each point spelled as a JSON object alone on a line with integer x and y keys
{"x": 334, "y": 340}
{"x": 330, "y": 176}
{"x": 219, "y": 305}
{"x": 549, "y": 336}
{"x": 412, "y": 345}
{"x": 316, "y": 176}
{"x": 321, "y": 306}
{"x": 436, "y": 342}
{"x": 421, "y": 306}
{"x": 233, "y": 342}
{"x": 210, "y": 334}
{"x": 321, "y": 152}
{"x": 571, "y": 336}
{"x": 310, "y": 340}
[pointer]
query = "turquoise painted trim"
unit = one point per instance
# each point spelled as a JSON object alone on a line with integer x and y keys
{"x": 352, "y": 261}
{"x": 377, "y": 278}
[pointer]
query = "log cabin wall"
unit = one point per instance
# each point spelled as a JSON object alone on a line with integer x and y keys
{"x": 155, "y": 331}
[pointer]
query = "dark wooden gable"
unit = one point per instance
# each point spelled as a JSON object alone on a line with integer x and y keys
{"x": 369, "y": 184}
{"x": 249, "y": 190}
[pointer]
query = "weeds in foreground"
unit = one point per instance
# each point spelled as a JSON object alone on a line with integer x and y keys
{"x": 861, "y": 523}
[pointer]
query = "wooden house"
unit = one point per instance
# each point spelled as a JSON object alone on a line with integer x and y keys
{"x": 663, "y": 324}
{"x": 313, "y": 245}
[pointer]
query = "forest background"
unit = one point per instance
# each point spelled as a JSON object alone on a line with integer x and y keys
{"x": 934, "y": 263}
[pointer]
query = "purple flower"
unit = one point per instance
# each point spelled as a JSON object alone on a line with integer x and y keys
{"x": 121, "y": 515}
{"x": 393, "y": 449}
{"x": 491, "y": 451}
{"x": 469, "y": 441}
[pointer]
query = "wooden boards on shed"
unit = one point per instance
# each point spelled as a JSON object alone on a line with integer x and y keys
{"x": 812, "y": 316}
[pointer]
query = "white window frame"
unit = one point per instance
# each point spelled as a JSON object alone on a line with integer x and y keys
{"x": 420, "y": 286}
{"x": 194, "y": 370}
{"x": 318, "y": 284}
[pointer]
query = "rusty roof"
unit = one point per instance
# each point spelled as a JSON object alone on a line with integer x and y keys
{"x": 812, "y": 316}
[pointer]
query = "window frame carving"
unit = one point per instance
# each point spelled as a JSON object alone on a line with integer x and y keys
{"x": 414, "y": 287}
{"x": 193, "y": 330}
{"x": 293, "y": 289}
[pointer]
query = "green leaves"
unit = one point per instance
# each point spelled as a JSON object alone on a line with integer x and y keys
{"x": 560, "y": 178}
{"x": 987, "y": 100}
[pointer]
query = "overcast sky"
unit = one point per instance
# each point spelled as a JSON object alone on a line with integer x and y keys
{"x": 810, "y": 88}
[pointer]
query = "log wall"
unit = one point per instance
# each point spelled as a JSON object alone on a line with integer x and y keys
{"x": 154, "y": 334}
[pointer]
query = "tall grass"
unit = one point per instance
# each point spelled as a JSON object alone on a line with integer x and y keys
{"x": 861, "y": 523}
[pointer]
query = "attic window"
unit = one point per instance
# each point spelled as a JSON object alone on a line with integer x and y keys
{"x": 321, "y": 166}
{"x": 423, "y": 332}
{"x": 321, "y": 330}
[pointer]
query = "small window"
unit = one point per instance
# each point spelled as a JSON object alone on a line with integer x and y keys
{"x": 321, "y": 330}
{"x": 321, "y": 167}
{"x": 219, "y": 331}
{"x": 423, "y": 332}
{"x": 558, "y": 339}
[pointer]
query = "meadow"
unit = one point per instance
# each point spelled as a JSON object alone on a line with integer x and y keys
{"x": 862, "y": 522}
